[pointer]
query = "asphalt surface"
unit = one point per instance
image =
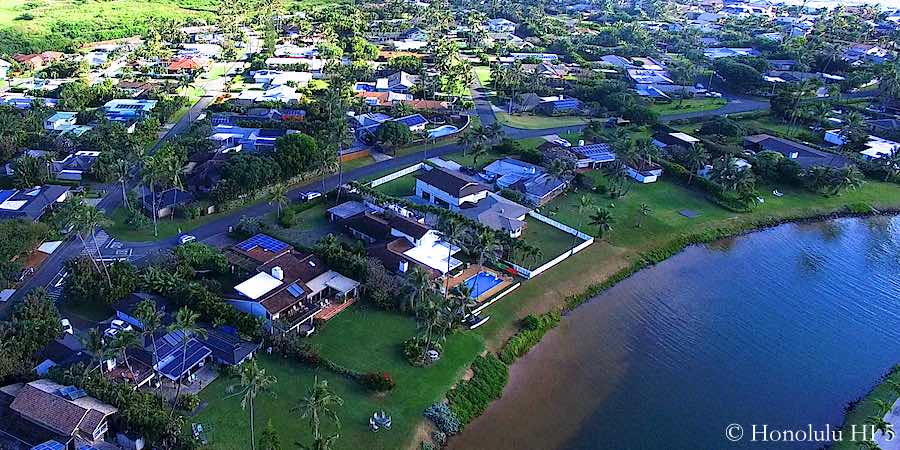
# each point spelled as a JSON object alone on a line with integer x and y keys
{"x": 49, "y": 274}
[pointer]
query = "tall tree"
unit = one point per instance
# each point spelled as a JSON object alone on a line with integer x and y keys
{"x": 186, "y": 324}
{"x": 320, "y": 402}
{"x": 253, "y": 382}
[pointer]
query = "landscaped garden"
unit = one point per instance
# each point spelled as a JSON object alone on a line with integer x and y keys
{"x": 360, "y": 339}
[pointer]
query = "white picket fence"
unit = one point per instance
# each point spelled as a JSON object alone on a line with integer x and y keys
{"x": 393, "y": 176}
{"x": 588, "y": 240}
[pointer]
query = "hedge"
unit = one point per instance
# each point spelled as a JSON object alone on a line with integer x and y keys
{"x": 470, "y": 398}
{"x": 533, "y": 330}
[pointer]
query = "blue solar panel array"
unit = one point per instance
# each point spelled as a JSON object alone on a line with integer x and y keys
{"x": 49, "y": 445}
{"x": 6, "y": 193}
{"x": 413, "y": 120}
{"x": 87, "y": 447}
{"x": 295, "y": 290}
{"x": 265, "y": 242}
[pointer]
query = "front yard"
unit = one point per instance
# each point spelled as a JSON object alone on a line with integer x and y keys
{"x": 537, "y": 122}
{"x": 168, "y": 227}
{"x": 360, "y": 339}
{"x": 688, "y": 106}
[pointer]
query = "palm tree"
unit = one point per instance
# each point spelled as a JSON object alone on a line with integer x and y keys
{"x": 93, "y": 343}
{"x": 120, "y": 345}
{"x": 696, "y": 158}
{"x": 322, "y": 443}
{"x": 151, "y": 174}
{"x": 320, "y": 402}
{"x": 186, "y": 324}
{"x": 883, "y": 406}
{"x": 151, "y": 319}
{"x": 478, "y": 150}
{"x": 868, "y": 445}
{"x": 603, "y": 220}
{"x": 584, "y": 203}
{"x": 253, "y": 382}
{"x": 422, "y": 285}
{"x": 278, "y": 196}
{"x": 643, "y": 211}
{"x": 879, "y": 424}
{"x": 451, "y": 229}
{"x": 86, "y": 219}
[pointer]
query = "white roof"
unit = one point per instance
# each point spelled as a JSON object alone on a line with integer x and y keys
{"x": 49, "y": 246}
{"x": 333, "y": 280}
{"x": 13, "y": 205}
{"x": 258, "y": 285}
{"x": 6, "y": 294}
{"x": 685, "y": 137}
{"x": 434, "y": 255}
{"x": 879, "y": 147}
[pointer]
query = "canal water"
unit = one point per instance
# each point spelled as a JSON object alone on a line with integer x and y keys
{"x": 779, "y": 328}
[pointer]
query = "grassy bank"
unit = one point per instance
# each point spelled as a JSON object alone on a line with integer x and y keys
{"x": 859, "y": 411}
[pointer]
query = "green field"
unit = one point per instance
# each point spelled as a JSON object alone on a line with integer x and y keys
{"x": 536, "y": 122}
{"x": 37, "y": 25}
{"x": 360, "y": 339}
{"x": 401, "y": 187}
{"x": 168, "y": 227}
{"x": 687, "y": 106}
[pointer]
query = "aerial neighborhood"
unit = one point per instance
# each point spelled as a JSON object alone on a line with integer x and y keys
{"x": 240, "y": 225}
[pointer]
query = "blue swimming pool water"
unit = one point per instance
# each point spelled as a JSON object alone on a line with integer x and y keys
{"x": 441, "y": 131}
{"x": 481, "y": 282}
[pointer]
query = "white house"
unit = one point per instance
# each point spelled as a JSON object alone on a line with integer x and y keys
{"x": 501, "y": 25}
{"x": 4, "y": 68}
{"x": 274, "y": 78}
{"x": 644, "y": 172}
{"x": 876, "y": 147}
{"x": 60, "y": 120}
{"x": 396, "y": 82}
{"x": 449, "y": 188}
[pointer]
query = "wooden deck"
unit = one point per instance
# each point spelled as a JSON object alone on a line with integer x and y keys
{"x": 334, "y": 309}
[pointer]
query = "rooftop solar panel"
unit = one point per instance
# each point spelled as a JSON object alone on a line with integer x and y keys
{"x": 6, "y": 193}
{"x": 49, "y": 445}
{"x": 263, "y": 241}
{"x": 295, "y": 290}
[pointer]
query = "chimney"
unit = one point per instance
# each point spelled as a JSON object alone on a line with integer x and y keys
{"x": 581, "y": 142}
{"x": 278, "y": 273}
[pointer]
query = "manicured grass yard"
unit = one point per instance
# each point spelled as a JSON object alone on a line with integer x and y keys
{"x": 466, "y": 160}
{"x": 401, "y": 187}
{"x": 484, "y": 75}
{"x": 537, "y": 122}
{"x": 691, "y": 105}
{"x": 168, "y": 227}
{"x": 358, "y": 162}
{"x": 360, "y": 339}
{"x": 552, "y": 242}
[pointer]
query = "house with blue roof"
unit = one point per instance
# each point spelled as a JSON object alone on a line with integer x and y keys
{"x": 233, "y": 138}
{"x": 533, "y": 181}
{"x": 558, "y": 107}
{"x": 128, "y": 109}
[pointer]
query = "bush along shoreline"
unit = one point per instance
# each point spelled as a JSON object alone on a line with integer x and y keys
{"x": 470, "y": 398}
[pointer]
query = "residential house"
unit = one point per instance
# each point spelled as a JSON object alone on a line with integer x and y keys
{"x": 782, "y": 64}
{"x": 5, "y": 67}
{"x": 280, "y": 93}
{"x": 315, "y": 66}
{"x": 126, "y": 308}
{"x": 406, "y": 45}
{"x": 401, "y": 82}
{"x": 538, "y": 186}
{"x": 128, "y": 110}
{"x": 543, "y": 57}
{"x": 227, "y": 347}
{"x": 559, "y": 106}
{"x": 296, "y": 51}
{"x": 383, "y": 98}
{"x": 804, "y": 155}
{"x": 617, "y": 61}
{"x": 449, "y": 189}
{"x": 400, "y": 242}
{"x": 233, "y": 138}
{"x": 547, "y": 70}
{"x": 649, "y": 76}
{"x": 644, "y": 171}
{"x": 876, "y": 147}
{"x": 44, "y": 410}
{"x": 31, "y": 203}
{"x": 187, "y": 64}
{"x": 665, "y": 92}
{"x": 727, "y": 52}
{"x": 272, "y": 78}
{"x": 136, "y": 89}
{"x": 165, "y": 202}
{"x": 201, "y": 51}
{"x": 858, "y": 53}
{"x": 678, "y": 139}
{"x": 369, "y": 123}
{"x": 290, "y": 287}
{"x": 427, "y": 105}
{"x": 501, "y": 25}
{"x": 74, "y": 166}
{"x": 498, "y": 213}
{"x": 60, "y": 120}
{"x": 22, "y": 101}
{"x": 37, "y": 61}
{"x": 591, "y": 156}
{"x": 63, "y": 352}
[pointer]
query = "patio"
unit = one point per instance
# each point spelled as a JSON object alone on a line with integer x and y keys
{"x": 201, "y": 379}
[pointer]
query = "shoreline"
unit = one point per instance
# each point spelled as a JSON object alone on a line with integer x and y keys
{"x": 651, "y": 257}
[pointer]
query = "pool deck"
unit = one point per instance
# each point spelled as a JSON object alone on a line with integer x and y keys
{"x": 473, "y": 270}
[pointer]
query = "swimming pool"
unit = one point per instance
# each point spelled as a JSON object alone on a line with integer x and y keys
{"x": 481, "y": 282}
{"x": 441, "y": 131}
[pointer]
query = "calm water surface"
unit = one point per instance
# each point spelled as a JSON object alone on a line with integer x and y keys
{"x": 781, "y": 327}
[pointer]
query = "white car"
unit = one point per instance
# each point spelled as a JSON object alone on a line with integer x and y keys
{"x": 562, "y": 142}
{"x": 714, "y": 94}
{"x": 111, "y": 332}
{"x": 120, "y": 325}
{"x": 309, "y": 196}
{"x": 187, "y": 238}
{"x": 66, "y": 326}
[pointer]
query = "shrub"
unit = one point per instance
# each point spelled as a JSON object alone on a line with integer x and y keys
{"x": 288, "y": 218}
{"x": 533, "y": 330}
{"x": 860, "y": 208}
{"x": 439, "y": 437}
{"x": 378, "y": 381}
{"x": 471, "y": 397}
{"x": 187, "y": 402}
{"x": 443, "y": 418}
{"x": 426, "y": 446}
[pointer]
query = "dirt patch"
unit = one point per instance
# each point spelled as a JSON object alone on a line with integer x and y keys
{"x": 422, "y": 433}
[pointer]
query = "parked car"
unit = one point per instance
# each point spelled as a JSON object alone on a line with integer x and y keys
{"x": 187, "y": 238}
{"x": 309, "y": 196}
{"x": 121, "y": 325}
{"x": 111, "y": 332}
{"x": 562, "y": 142}
{"x": 66, "y": 326}
{"x": 712, "y": 94}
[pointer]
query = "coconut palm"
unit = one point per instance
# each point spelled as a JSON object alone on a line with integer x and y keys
{"x": 253, "y": 382}
{"x": 278, "y": 195}
{"x": 94, "y": 345}
{"x": 119, "y": 348}
{"x": 643, "y": 211}
{"x": 86, "y": 219}
{"x": 883, "y": 406}
{"x": 451, "y": 230}
{"x": 603, "y": 220}
{"x": 489, "y": 248}
{"x": 186, "y": 324}
{"x": 320, "y": 402}
{"x": 422, "y": 285}
{"x": 695, "y": 159}
{"x": 584, "y": 203}
{"x": 151, "y": 319}
{"x": 879, "y": 424}
{"x": 478, "y": 150}
{"x": 868, "y": 445}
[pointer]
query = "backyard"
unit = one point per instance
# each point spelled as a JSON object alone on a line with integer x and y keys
{"x": 552, "y": 242}
{"x": 401, "y": 187}
{"x": 360, "y": 339}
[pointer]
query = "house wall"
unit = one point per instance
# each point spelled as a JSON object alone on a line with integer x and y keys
{"x": 453, "y": 202}
{"x": 252, "y": 308}
{"x": 641, "y": 178}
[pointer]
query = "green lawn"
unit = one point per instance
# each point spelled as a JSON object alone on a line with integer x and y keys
{"x": 54, "y": 24}
{"x": 358, "y": 162}
{"x": 552, "y": 242}
{"x": 687, "y": 106}
{"x": 536, "y": 122}
{"x": 466, "y": 160}
{"x": 401, "y": 187}
{"x": 866, "y": 408}
{"x": 484, "y": 75}
{"x": 360, "y": 339}
{"x": 168, "y": 227}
